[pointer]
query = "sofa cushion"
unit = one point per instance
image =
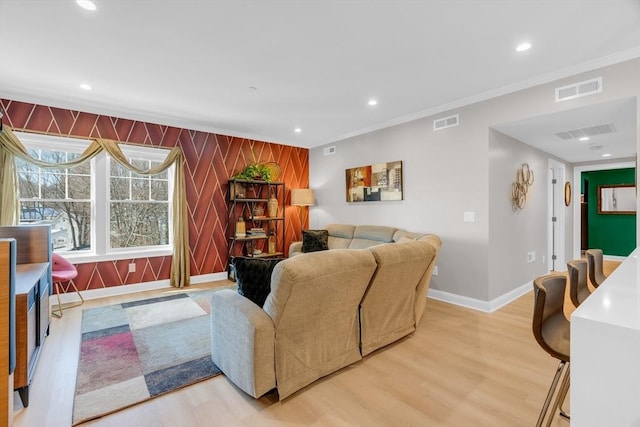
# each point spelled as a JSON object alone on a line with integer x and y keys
{"x": 399, "y": 234}
{"x": 315, "y": 240}
{"x": 253, "y": 276}
{"x": 379, "y": 233}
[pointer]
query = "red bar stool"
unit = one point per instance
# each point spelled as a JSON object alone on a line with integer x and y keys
{"x": 63, "y": 271}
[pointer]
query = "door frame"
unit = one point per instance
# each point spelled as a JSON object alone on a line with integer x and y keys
{"x": 575, "y": 196}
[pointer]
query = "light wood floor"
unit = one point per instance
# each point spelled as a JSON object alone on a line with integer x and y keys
{"x": 460, "y": 368}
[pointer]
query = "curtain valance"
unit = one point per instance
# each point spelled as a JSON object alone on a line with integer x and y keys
{"x": 11, "y": 147}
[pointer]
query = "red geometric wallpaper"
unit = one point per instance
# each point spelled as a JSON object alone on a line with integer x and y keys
{"x": 210, "y": 159}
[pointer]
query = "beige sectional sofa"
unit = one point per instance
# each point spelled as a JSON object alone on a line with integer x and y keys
{"x": 325, "y": 310}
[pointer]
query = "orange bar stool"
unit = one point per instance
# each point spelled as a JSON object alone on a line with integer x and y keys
{"x": 63, "y": 271}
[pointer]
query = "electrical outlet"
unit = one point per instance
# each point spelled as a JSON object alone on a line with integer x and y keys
{"x": 531, "y": 256}
{"x": 434, "y": 272}
{"x": 132, "y": 267}
{"x": 544, "y": 259}
{"x": 469, "y": 217}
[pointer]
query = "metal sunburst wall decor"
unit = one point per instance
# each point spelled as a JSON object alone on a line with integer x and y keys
{"x": 519, "y": 189}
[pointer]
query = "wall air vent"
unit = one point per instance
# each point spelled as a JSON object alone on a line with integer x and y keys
{"x": 329, "y": 150}
{"x": 586, "y": 131}
{"x": 446, "y": 122}
{"x": 576, "y": 90}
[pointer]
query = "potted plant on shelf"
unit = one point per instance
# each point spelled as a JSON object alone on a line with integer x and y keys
{"x": 254, "y": 172}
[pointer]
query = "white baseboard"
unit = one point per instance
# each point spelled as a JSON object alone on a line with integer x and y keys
{"x": 614, "y": 258}
{"x": 70, "y": 297}
{"x": 480, "y": 305}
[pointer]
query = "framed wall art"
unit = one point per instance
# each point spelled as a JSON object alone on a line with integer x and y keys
{"x": 374, "y": 183}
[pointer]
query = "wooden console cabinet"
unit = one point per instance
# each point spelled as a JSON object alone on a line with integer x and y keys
{"x": 7, "y": 328}
{"x": 33, "y": 288}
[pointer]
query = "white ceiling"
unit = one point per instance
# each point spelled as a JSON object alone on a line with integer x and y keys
{"x": 540, "y": 131}
{"x": 313, "y": 64}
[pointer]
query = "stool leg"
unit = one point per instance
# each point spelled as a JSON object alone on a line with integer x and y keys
{"x": 59, "y": 314}
{"x": 78, "y": 292}
{"x": 547, "y": 401}
{"x": 562, "y": 392}
{"x": 564, "y": 413}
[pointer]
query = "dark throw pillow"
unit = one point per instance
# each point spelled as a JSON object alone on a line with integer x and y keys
{"x": 315, "y": 240}
{"x": 253, "y": 276}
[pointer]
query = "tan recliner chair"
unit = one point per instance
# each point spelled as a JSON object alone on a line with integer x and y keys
{"x": 395, "y": 301}
{"x": 308, "y": 327}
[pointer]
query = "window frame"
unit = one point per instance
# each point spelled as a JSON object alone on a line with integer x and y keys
{"x": 100, "y": 212}
{"x": 134, "y": 152}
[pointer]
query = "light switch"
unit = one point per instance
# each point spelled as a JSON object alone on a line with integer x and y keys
{"x": 469, "y": 217}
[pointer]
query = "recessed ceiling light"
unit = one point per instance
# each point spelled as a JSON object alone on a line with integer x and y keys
{"x": 86, "y": 4}
{"x": 297, "y": 130}
{"x": 523, "y": 46}
{"x": 606, "y": 155}
{"x": 85, "y": 86}
{"x": 372, "y": 102}
{"x": 584, "y": 138}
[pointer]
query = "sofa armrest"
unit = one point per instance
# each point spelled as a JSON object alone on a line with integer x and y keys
{"x": 243, "y": 342}
{"x": 295, "y": 248}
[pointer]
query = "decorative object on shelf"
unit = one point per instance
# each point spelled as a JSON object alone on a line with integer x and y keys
{"x": 274, "y": 169}
{"x": 379, "y": 182}
{"x": 302, "y": 197}
{"x": 272, "y": 207}
{"x": 519, "y": 189}
{"x": 240, "y": 228}
{"x": 237, "y": 190}
{"x": 272, "y": 242}
{"x": 258, "y": 211}
{"x": 567, "y": 193}
{"x": 255, "y": 171}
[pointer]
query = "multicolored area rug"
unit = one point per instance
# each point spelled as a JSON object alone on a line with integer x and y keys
{"x": 134, "y": 351}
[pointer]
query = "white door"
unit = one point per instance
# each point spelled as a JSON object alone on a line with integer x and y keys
{"x": 556, "y": 217}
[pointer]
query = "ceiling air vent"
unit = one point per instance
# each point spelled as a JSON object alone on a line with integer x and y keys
{"x": 329, "y": 150}
{"x": 587, "y": 87}
{"x": 587, "y": 131}
{"x": 446, "y": 122}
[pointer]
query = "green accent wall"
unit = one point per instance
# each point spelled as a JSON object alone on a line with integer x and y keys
{"x": 614, "y": 234}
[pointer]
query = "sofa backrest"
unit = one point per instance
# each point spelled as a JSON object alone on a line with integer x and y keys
{"x": 343, "y": 236}
{"x": 365, "y": 236}
{"x": 423, "y": 286}
{"x": 314, "y": 303}
{"x": 388, "y": 307}
{"x": 340, "y": 235}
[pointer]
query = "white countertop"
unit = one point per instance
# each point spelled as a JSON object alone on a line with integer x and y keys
{"x": 617, "y": 300}
{"x": 605, "y": 352}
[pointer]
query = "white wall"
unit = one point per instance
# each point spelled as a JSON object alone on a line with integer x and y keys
{"x": 525, "y": 230}
{"x": 446, "y": 173}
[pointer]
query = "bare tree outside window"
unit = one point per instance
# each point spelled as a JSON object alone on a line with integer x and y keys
{"x": 139, "y": 207}
{"x": 60, "y": 197}
{"x": 134, "y": 212}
